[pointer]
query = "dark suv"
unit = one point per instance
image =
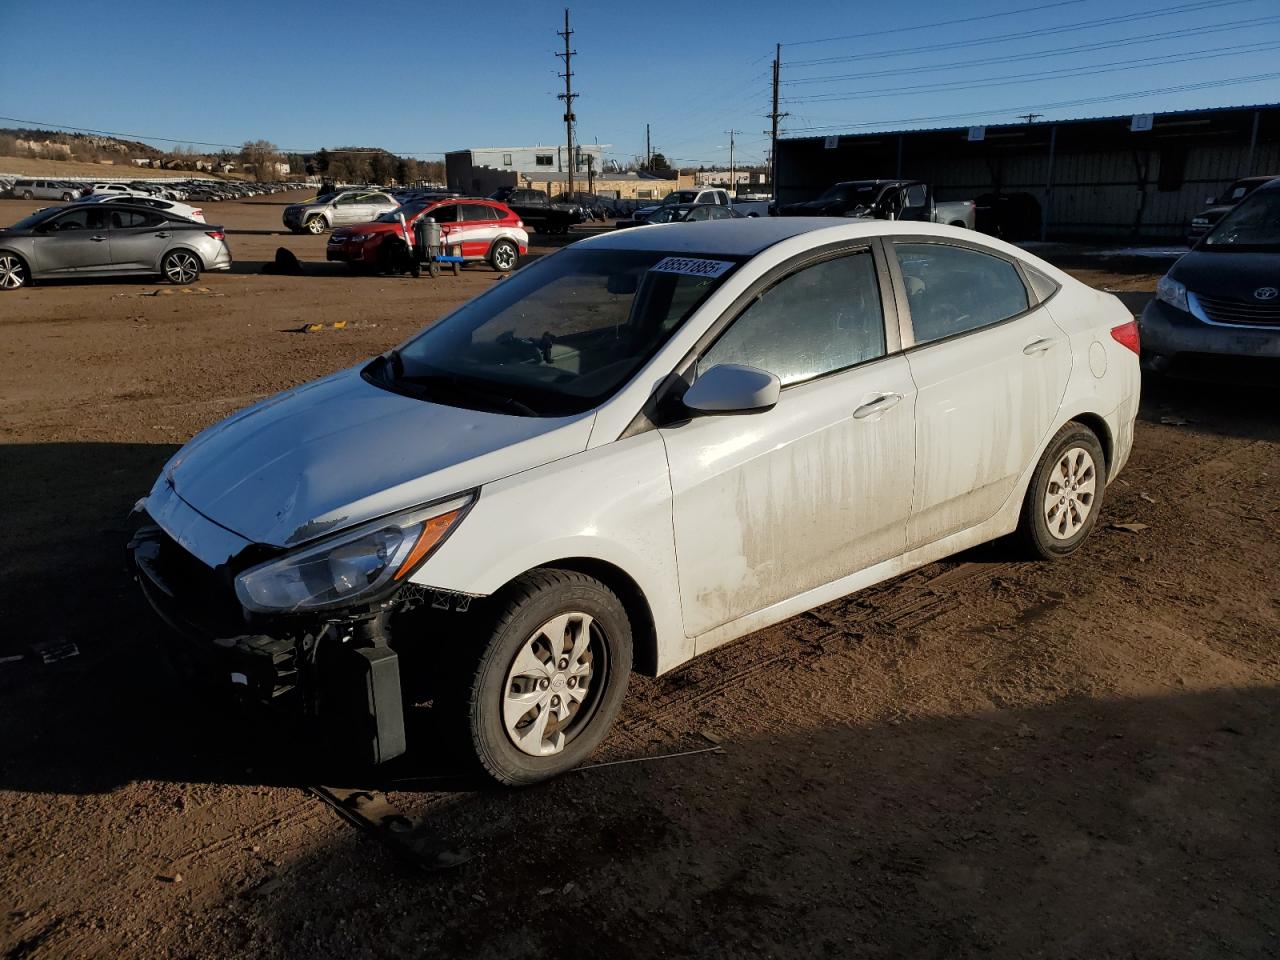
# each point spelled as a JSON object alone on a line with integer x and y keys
{"x": 1219, "y": 207}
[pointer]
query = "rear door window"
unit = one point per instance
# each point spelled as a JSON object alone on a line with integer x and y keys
{"x": 478, "y": 211}
{"x": 952, "y": 290}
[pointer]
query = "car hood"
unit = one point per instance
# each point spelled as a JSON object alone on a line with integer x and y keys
{"x": 340, "y": 451}
{"x": 807, "y": 208}
{"x": 1231, "y": 275}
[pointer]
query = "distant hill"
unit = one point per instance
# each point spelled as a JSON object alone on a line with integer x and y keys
{"x": 59, "y": 145}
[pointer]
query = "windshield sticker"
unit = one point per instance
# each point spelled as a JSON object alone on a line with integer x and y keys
{"x": 692, "y": 267}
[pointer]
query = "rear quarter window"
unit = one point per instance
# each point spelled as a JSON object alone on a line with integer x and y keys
{"x": 953, "y": 290}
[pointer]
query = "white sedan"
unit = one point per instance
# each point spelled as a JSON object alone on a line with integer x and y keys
{"x": 172, "y": 207}
{"x": 628, "y": 453}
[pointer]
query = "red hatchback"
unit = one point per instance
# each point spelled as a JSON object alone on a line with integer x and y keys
{"x": 484, "y": 230}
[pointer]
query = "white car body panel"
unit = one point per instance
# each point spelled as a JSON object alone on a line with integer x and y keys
{"x": 725, "y": 524}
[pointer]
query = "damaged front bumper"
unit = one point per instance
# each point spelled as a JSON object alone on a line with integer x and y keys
{"x": 336, "y": 673}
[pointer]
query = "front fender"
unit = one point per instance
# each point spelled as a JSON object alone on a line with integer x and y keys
{"x": 610, "y": 503}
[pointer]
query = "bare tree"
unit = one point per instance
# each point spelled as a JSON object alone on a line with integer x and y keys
{"x": 262, "y": 155}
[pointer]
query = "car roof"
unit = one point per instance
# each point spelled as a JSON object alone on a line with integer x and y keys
{"x": 1271, "y": 183}
{"x": 748, "y": 236}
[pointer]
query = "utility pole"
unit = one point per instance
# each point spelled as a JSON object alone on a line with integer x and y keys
{"x": 648, "y": 151}
{"x": 568, "y": 96}
{"x": 775, "y": 116}
{"x": 1030, "y": 117}
{"x": 733, "y": 184}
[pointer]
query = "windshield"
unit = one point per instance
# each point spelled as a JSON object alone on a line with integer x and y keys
{"x": 679, "y": 196}
{"x": 558, "y": 337}
{"x": 1253, "y": 225}
{"x": 26, "y": 223}
{"x": 409, "y": 210}
{"x": 847, "y": 191}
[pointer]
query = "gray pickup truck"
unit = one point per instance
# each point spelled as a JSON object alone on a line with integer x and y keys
{"x": 884, "y": 200}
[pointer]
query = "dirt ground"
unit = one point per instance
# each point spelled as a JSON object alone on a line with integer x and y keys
{"x": 987, "y": 757}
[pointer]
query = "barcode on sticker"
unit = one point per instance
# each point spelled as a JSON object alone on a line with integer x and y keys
{"x": 692, "y": 267}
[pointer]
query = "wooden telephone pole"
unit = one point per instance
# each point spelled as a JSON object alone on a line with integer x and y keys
{"x": 775, "y": 116}
{"x": 568, "y": 96}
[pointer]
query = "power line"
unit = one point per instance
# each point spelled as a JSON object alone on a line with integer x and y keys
{"x": 1181, "y": 88}
{"x": 1021, "y": 35}
{"x": 1063, "y": 72}
{"x": 937, "y": 23}
{"x": 1036, "y": 55}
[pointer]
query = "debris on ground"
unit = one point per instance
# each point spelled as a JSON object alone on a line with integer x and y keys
{"x": 1130, "y": 527}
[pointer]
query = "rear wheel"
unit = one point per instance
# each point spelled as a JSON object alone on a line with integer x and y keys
{"x": 551, "y": 678}
{"x": 28, "y": 195}
{"x": 1065, "y": 494}
{"x": 504, "y": 256}
{"x": 315, "y": 225}
{"x": 13, "y": 272}
{"x": 180, "y": 267}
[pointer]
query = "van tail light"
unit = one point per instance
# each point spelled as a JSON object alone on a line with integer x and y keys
{"x": 216, "y": 234}
{"x": 1127, "y": 336}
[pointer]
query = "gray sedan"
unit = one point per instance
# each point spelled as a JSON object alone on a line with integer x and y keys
{"x": 98, "y": 240}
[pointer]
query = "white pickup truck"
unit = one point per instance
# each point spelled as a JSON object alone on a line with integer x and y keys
{"x": 884, "y": 200}
{"x": 716, "y": 195}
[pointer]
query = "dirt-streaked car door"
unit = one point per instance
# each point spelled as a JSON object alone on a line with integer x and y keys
{"x": 774, "y": 504}
{"x": 76, "y": 240}
{"x": 991, "y": 367}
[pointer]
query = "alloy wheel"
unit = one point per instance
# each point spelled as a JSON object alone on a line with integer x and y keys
{"x": 316, "y": 225}
{"x": 181, "y": 267}
{"x": 504, "y": 257}
{"x": 13, "y": 274}
{"x": 1069, "y": 495}
{"x": 550, "y": 694}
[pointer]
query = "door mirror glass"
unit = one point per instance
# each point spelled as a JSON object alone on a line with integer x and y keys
{"x": 733, "y": 388}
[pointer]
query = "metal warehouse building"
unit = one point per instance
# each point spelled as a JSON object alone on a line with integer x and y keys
{"x": 1140, "y": 176}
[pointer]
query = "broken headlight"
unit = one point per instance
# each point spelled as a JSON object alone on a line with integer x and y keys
{"x": 353, "y": 565}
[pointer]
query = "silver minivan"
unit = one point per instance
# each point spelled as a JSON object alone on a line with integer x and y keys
{"x": 45, "y": 190}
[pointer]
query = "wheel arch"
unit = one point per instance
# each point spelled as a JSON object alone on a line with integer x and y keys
{"x": 188, "y": 249}
{"x": 1098, "y": 427}
{"x": 644, "y": 634}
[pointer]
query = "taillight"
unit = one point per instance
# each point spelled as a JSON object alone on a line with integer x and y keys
{"x": 1127, "y": 336}
{"x": 216, "y": 234}
{"x": 519, "y": 224}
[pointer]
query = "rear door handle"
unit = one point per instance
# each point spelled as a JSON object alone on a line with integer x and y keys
{"x": 97, "y": 239}
{"x": 1039, "y": 346}
{"x": 886, "y": 401}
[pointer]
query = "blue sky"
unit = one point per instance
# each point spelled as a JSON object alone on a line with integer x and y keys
{"x": 415, "y": 79}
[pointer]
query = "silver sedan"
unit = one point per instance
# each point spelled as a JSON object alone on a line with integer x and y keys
{"x": 98, "y": 240}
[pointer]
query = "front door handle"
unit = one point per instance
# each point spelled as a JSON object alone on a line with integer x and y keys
{"x": 162, "y": 235}
{"x": 886, "y": 401}
{"x": 97, "y": 239}
{"x": 1039, "y": 346}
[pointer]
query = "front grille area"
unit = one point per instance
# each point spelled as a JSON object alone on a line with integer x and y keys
{"x": 1254, "y": 313}
{"x": 189, "y": 590}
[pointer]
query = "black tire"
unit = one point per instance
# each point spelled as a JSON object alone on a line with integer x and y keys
{"x": 28, "y": 195}
{"x": 180, "y": 267}
{"x": 434, "y": 269}
{"x": 519, "y": 610}
{"x": 66, "y": 198}
{"x": 315, "y": 225}
{"x": 14, "y": 273}
{"x": 504, "y": 256}
{"x": 1034, "y": 529}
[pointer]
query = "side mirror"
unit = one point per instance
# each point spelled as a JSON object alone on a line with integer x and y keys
{"x": 733, "y": 388}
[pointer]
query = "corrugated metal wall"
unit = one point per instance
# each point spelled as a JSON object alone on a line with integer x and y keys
{"x": 1103, "y": 181}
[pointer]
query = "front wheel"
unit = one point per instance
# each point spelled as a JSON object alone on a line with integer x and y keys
{"x": 28, "y": 195}
{"x": 180, "y": 267}
{"x": 551, "y": 678}
{"x": 504, "y": 256}
{"x": 315, "y": 226}
{"x": 13, "y": 272}
{"x": 66, "y": 198}
{"x": 1065, "y": 494}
